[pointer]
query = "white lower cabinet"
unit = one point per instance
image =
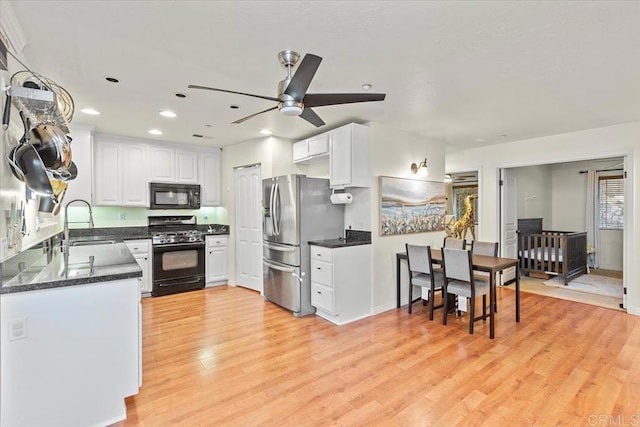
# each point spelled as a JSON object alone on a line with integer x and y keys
{"x": 341, "y": 282}
{"x": 142, "y": 252}
{"x": 216, "y": 261}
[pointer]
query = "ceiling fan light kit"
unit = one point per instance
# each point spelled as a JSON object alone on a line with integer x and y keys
{"x": 293, "y": 99}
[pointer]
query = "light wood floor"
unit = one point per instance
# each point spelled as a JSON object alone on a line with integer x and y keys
{"x": 223, "y": 356}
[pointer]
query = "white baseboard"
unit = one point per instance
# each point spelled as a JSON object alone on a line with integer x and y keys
{"x": 382, "y": 308}
{"x": 634, "y": 311}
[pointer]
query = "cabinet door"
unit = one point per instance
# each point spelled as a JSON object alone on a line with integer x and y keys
{"x": 134, "y": 175}
{"x": 216, "y": 264}
{"x": 210, "y": 179}
{"x": 340, "y": 157}
{"x": 82, "y": 151}
{"x": 162, "y": 167}
{"x": 318, "y": 145}
{"x": 186, "y": 167}
{"x": 107, "y": 174}
{"x": 300, "y": 151}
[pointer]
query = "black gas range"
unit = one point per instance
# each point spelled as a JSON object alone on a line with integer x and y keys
{"x": 178, "y": 254}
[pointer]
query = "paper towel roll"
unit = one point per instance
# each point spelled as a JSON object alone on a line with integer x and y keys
{"x": 341, "y": 198}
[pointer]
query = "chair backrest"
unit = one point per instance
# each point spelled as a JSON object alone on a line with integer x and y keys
{"x": 419, "y": 258}
{"x": 450, "y": 242}
{"x": 457, "y": 264}
{"x": 484, "y": 248}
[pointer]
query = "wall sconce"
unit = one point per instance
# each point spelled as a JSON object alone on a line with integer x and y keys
{"x": 421, "y": 167}
{"x": 447, "y": 178}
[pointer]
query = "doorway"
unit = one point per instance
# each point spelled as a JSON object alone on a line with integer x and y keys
{"x": 563, "y": 198}
{"x": 248, "y": 194}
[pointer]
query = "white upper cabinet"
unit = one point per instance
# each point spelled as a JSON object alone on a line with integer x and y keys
{"x": 162, "y": 167}
{"x": 312, "y": 149}
{"x": 350, "y": 156}
{"x": 120, "y": 174}
{"x": 187, "y": 167}
{"x": 210, "y": 178}
{"x": 123, "y": 168}
{"x": 107, "y": 177}
{"x": 169, "y": 164}
{"x": 134, "y": 175}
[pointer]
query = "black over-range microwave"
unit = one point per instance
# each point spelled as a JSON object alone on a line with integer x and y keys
{"x": 173, "y": 196}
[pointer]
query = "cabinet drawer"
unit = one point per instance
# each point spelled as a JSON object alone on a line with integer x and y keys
{"x": 138, "y": 246}
{"x": 322, "y": 297}
{"x": 217, "y": 241}
{"x": 321, "y": 253}
{"x": 322, "y": 272}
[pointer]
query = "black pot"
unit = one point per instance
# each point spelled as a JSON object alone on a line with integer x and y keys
{"x": 35, "y": 174}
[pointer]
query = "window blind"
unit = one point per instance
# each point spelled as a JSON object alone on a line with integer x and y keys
{"x": 611, "y": 195}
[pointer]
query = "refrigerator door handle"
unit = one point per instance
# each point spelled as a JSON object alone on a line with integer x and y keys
{"x": 271, "y": 209}
{"x": 279, "y": 248}
{"x": 276, "y": 206}
{"x": 279, "y": 267}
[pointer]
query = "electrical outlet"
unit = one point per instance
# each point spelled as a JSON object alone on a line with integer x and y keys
{"x": 17, "y": 329}
{"x": 122, "y": 216}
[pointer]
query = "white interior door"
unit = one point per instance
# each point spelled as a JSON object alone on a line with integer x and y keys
{"x": 509, "y": 220}
{"x": 248, "y": 186}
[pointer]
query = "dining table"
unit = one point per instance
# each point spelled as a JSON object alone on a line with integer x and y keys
{"x": 489, "y": 264}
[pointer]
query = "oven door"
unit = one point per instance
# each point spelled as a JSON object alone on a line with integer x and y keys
{"x": 178, "y": 267}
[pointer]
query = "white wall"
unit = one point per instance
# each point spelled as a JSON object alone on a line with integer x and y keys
{"x": 393, "y": 152}
{"x": 534, "y": 181}
{"x": 611, "y": 141}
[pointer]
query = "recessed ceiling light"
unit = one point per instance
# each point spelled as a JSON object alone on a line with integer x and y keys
{"x": 367, "y": 86}
{"x": 181, "y": 95}
{"x": 167, "y": 113}
{"x": 234, "y": 107}
{"x": 266, "y": 132}
{"x": 155, "y": 132}
{"x": 112, "y": 79}
{"x": 480, "y": 140}
{"x": 90, "y": 111}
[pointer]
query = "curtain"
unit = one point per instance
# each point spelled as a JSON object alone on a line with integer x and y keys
{"x": 593, "y": 214}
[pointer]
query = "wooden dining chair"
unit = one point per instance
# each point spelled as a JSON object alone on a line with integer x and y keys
{"x": 450, "y": 242}
{"x": 421, "y": 273}
{"x": 487, "y": 249}
{"x": 460, "y": 280}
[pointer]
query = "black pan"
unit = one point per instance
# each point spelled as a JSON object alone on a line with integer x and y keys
{"x": 35, "y": 174}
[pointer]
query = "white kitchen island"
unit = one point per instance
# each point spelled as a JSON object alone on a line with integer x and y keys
{"x": 71, "y": 353}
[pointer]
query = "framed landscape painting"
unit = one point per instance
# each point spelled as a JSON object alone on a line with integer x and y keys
{"x": 410, "y": 206}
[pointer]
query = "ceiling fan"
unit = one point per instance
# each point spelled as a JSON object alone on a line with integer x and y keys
{"x": 293, "y": 99}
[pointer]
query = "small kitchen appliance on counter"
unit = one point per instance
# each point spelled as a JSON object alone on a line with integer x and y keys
{"x": 178, "y": 254}
{"x": 296, "y": 210}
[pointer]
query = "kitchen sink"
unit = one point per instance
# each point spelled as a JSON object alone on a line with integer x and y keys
{"x": 91, "y": 242}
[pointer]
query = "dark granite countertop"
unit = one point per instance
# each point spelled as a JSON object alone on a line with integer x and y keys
{"x": 75, "y": 265}
{"x": 353, "y": 238}
{"x": 339, "y": 243}
{"x": 120, "y": 234}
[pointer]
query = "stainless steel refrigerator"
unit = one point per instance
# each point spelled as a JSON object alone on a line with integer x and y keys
{"x": 296, "y": 210}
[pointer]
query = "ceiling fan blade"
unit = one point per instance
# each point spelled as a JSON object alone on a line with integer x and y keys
{"x": 309, "y": 115}
{"x": 301, "y": 80}
{"x": 231, "y": 91}
{"x": 321, "y": 99}
{"x": 253, "y": 115}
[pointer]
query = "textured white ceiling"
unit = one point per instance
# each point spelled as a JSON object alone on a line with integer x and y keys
{"x": 452, "y": 71}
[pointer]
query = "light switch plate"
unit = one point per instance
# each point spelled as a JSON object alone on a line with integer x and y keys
{"x": 17, "y": 328}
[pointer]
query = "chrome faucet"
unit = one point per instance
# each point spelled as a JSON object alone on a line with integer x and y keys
{"x": 66, "y": 218}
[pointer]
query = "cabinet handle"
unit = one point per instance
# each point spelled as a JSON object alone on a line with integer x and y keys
{"x": 319, "y": 292}
{"x": 318, "y": 268}
{"x": 145, "y": 258}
